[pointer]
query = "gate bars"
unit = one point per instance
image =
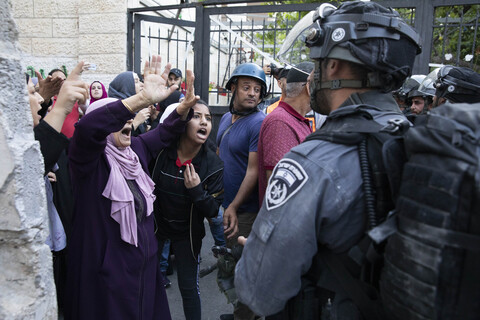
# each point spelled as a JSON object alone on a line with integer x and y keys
{"x": 438, "y": 29}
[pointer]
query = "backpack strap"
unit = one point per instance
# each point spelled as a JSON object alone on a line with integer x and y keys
{"x": 224, "y": 134}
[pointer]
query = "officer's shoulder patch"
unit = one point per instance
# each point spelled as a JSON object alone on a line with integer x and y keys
{"x": 287, "y": 178}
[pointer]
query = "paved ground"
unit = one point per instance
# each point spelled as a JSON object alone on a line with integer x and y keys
{"x": 214, "y": 303}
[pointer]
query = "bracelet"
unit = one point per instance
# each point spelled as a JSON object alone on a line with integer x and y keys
{"x": 127, "y": 106}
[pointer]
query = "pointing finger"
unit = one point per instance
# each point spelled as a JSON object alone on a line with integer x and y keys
{"x": 76, "y": 72}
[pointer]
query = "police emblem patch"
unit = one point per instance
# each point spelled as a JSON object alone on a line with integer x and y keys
{"x": 287, "y": 178}
{"x": 338, "y": 34}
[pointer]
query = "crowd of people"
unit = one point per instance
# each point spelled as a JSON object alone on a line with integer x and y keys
{"x": 131, "y": 173}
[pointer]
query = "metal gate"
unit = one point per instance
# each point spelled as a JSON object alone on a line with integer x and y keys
{"x": 224, "y": 34}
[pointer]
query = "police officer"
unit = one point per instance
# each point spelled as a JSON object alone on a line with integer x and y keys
{"x": 315, "y": 199}
{"x": 427, "y": 87}
{"x": 418, "y": 101}
{"x": 402, "y": 96}
{"x": 457, "y": 85}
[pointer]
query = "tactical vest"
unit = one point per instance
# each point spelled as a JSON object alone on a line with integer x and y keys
{"x": 432, "y": 264}
{"x": 354, "y": 274}
{"x": 429, "y": 267}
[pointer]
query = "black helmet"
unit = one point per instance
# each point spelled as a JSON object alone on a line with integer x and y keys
{"x": 458, "y": 84}
{"x": 365, "y": 33}
{"x": 251, "y": 70}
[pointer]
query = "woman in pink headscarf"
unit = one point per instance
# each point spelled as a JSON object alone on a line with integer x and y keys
{"x": 113, "y": 271}
{"x": 97, "y": 91}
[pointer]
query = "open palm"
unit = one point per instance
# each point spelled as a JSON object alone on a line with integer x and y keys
{"x": 155, "y": 81}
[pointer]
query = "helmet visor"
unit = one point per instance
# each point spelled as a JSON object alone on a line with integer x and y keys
{"x": 428, "y": 84}
{"x": 409, "y": 85}
{"x": 294, "y": 49}
{"x": 444, "y": 71}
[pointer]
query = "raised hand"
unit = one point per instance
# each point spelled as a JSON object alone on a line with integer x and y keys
{"x": 141, "y": 117}
{"x": 72, "y": 90}
{"x": 155, "y": 81}
{"x": 49, "y": 86}
{"x": 153, "y": 112}
{"x": 190, "y": 97}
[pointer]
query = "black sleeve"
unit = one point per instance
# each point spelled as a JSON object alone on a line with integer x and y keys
{"x": 154, "y": 123}
{"x": 51, "y": 144}
{"x": 45, "y": 105}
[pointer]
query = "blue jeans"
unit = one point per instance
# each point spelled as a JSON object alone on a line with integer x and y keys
{"x": 164, "y": 252}
{"x": 216, "y": 228}
{"x": 187, "y": 274}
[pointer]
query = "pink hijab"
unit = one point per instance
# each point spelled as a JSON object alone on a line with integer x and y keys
{"x": 104, "y": 92}
{"x": 124, "y": 165}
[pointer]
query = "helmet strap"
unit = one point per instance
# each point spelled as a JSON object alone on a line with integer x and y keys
{"x": 244, "y": 114}
{"x": 315, "y": 85}
{"x": 342, "y": 83}
{"x": 372, "y": 81}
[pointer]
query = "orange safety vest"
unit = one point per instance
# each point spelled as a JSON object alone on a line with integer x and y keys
{"x": 272, "y": 107}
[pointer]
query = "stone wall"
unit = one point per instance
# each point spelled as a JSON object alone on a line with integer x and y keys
{"x": 26, "y": 281}
{"x": 53, "y": 33}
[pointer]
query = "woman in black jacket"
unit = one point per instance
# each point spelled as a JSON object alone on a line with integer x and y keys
{"x": 188, "y": 178}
